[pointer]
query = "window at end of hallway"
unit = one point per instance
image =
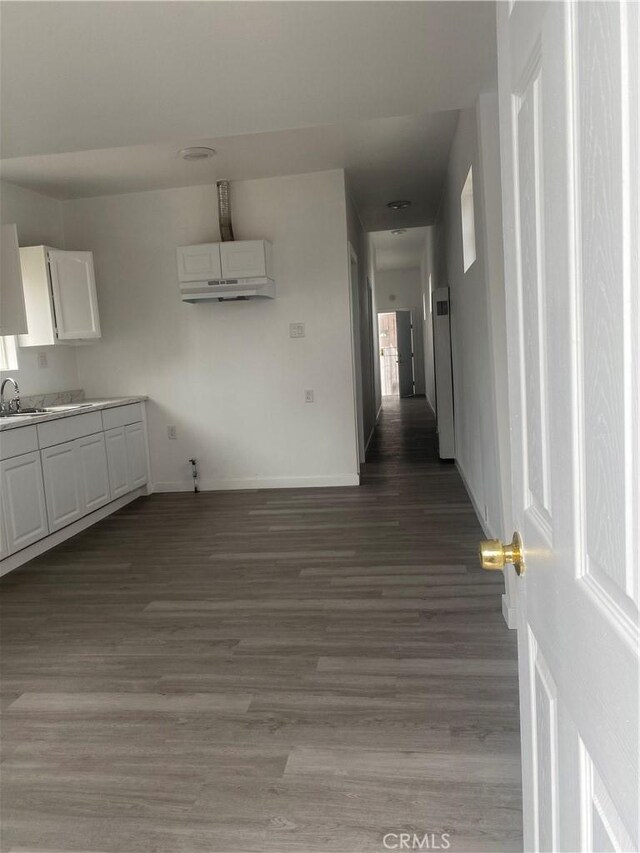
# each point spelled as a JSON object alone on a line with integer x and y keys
{"x": 8, "y": 353}
{"x": 468, "y": 222}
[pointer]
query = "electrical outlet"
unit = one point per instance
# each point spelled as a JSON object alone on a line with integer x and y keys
{"x": 308, "y": 396}
{"x": 42, "y": 360}
{"x": 172, "y": 431}
{"x": 296, "y": 330}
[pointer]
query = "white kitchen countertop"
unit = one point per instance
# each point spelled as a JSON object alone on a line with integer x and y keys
{"x": 67, "y": 411}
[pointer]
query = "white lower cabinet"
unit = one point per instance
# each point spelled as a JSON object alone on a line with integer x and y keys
{"x": 76, "y": 479}
{"x": 23, "y": 503}
{"x": 94, "y": 474}
{"x": 4, "y": 545}
{"x": 136, "y": 455}
{"x": 83, "y": 463}
{"x": 127, "y": 456}
{"x": 117, "y": 459}
{"x": 61, "y": 471}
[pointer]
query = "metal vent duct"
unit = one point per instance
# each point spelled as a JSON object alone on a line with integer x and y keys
{"x": 224, "y": 211}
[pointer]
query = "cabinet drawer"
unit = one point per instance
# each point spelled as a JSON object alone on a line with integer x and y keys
{"x": 68, "y": 429}
{"x": 121, "y": 415}
{"x": 14, "y": 442}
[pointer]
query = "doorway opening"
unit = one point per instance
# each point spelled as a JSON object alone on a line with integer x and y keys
{"x": 395, "y": 334}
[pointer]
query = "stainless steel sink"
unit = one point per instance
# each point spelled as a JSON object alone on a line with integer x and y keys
{"x": 29, "y": 412}
{"x": 24, "y": 413}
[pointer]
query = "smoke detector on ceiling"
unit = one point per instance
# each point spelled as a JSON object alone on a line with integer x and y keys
{"x": 196, "y": 153}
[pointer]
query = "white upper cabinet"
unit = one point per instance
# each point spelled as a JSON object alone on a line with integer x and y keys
{"x": 246, "y": 259}
{"x": 60, "y": 296}
{"x": 13, "y": 317}
{"x": 199, "y": 263}
{"x": 73, "y": 284}
{"x": 233, "y": 260}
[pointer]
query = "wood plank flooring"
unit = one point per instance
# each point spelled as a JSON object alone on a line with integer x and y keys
{"x": 295, "y": 671}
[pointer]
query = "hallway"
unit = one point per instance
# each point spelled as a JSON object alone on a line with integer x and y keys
{"x": 299, "y": 670}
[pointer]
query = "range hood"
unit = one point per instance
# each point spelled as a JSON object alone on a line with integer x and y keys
{"x": 227, "y": 290}
{"x": 230, "y": 271}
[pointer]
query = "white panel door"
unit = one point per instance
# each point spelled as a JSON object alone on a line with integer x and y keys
{"x": 568, "y": 79}
{"x": 94, "y": 474}
{"x": 117, "y": 460}
{"x": 405, "y": 353}
{"x": 62, "y": 484}
{"x": 243, "y": 259}
{"x": 23, "y": 505}
{"x": 199, "y": 263}
{"x": 74, "y": 295}
{"x": 136, "y": 455}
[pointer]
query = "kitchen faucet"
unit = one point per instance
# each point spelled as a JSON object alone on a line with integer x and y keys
{"x": 10, "y": 404}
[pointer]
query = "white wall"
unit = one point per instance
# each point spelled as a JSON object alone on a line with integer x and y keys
{"x": 228, "y": 375}
{"x": 39, "y": 222}
{"x": 401, "y": 290}
{"x": 477, "y": 313}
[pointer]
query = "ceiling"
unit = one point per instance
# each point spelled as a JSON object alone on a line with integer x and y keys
{"x": 399, "y": 251}
{"x": 385, "y": 159}
{"x": 98, "y": 97}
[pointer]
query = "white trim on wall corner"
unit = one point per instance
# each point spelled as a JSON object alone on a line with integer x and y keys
{"x": 253, "y": 484}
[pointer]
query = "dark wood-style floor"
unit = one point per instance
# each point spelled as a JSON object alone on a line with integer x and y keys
{"x": 300, "y": 670}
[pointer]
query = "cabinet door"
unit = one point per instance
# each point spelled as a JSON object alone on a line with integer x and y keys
{"x": 23, "y": 505}
{"x": 73, "y": 286}
{"x": 13, "y": 318}
{"x": 136, "y": 455}
{"x": 94, "y": 474}
{"x": 62, "y": 484}
{"x": 4, "y": 545}
{"x": 199, "y": 263}
{"x": 117, "y": 460}
{"x": 243, "y": 259}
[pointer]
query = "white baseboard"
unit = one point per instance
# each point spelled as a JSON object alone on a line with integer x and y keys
{"x": 371, "y": 434}
{"x": 53, "y": 539}
{"x": 508, "y": 607}
{"x": 253, "y": 484}
{"x": 509, "y": 612}
{"x": 488, "y": 532}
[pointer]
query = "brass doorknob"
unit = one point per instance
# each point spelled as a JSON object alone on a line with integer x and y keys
{"x": 494, "y": 555}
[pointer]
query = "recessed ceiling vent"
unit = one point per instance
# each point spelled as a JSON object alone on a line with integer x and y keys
{"x": 224, "y": 211}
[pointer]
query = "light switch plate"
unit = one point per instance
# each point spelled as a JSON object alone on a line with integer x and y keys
{"x": 42, "y": 360}
{"x": 296, "y": 330}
